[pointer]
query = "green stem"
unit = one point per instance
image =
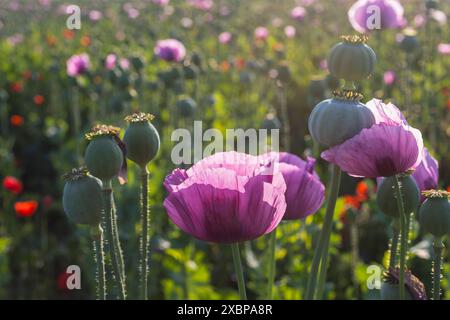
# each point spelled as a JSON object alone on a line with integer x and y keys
{"x": 145, "y": 219}
{"x": 238, "y": 270}
{"x": 117, "y": 242}
{"x": 321, "y": 251}
{"x": 403, "y": 238}
{"x": 394, "y": 246}
{"x": 108, "y": 205}
{"x": 100, "y": 261}
{"x": 438, "y": 246}
{"x": 272, "y": 263}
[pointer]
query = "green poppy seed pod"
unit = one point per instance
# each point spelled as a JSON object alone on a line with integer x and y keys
{"x": 390, "y": 291}
{"x": 190, "y": 72}
{"x": 82, "y": 197}
{"x": 137, "y": 63}
{"x": 431, "y": 4}
{"x": 387, "y": 197}
{"x": 434, "y": 214}
{"x": 284, "y": 73}
{"x": 317, "y": 88}
{"x": 141, "y": 139}
{"x": 186, "y": 107}
{"x": 352, "y": 59}
{"x": 271, "y": 122}
{"x": 333, "y": 121}
{"x": 409, "y": 43}
{"x": 414, "y": 288}
{"x": 103, "y": 156}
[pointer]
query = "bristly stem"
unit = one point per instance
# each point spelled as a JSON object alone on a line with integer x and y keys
{"x": 145, "y": 221}
{"x": 272, "y": 263}
{"x": 321, "y": 251}
{"x": 108, "y": 205}
{"x": 100, "y": 262}
{"x": 403, "y": 238}
{"x": 394, "y": 245}
{"x": 437, "y": 264}
{"x": 238, "y": 270}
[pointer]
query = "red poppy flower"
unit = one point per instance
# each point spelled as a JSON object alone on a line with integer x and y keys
{"x": 26, "y": 208}
{"x": 85, "y": 41}
{"x": 16, "y": 87}
{"x": 27, "y": 75}
{"x": 47, "y": 201}
{"x": 16, "y": 120}
{"x": 38, "y": 99}
{"x": 61, "y": 282}
{"x": 352, "y": 202}
{"x": 448, "y": 188}
{"x": 68, "y": 34}
{"x": 362, "y": 191}
{"x": 12, "y": 184}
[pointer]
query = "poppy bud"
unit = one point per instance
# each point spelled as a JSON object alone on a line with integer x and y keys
{"x": 434, "y": 214}
{"x": 186, "y": 107}
{"x": 141, "y": 139}
{"x": 103, "y": 156}
{"x": 386, "y": 195}
{"x": 82, "y": 197}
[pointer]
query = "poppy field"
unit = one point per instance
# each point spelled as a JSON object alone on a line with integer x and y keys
{"x": 225, "y": 149}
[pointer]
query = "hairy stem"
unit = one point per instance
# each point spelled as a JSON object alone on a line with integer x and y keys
{"x": 321, "y": 251}
{"x": 403, "y": 238}
{"x": 437, "y": 264}
{"x": 100, "y": 262}
{"x": 114, "y": 250}
{"x": 145, "y": 221}
{"x": 394, "y": 245}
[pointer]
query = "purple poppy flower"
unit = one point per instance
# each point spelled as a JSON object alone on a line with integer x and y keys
{"x": 161, "y": 2}
{"x": 95, "y": 15}
{"x": 110, "y": 61}
{"x": 204, "y": 5}
{"x": 361, "y": 15}
{"x": 78, "y": 65}
{"x": 298, "y": 13}
{"x": 444, "y": 48}
{"x": 226, "y": 198}
{"x": 304, "y": 190}
{"x": 261, "y": 33}
{"x": 290, "y": 31}
{"x": 427, "y": 173}
{"x": 225, "y": 37}
{"x": 170, "y": 50}
{"x": 389, "y": 78}
{"x": 387, "y": 148}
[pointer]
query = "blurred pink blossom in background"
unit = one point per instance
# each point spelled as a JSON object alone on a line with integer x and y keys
{"x": 225, "y": 37}
{"x": 261, "y": 33}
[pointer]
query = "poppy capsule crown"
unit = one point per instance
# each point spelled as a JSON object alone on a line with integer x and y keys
{"x": 82, "y": 197}
{"x": 434, "y": 214}
{"x": 352, "y": 59}
{"x": 386, "y": 197}
{"x": 104, "y": 158}
{"x": 336, "y": 120}
{"x": 141, "y": 139}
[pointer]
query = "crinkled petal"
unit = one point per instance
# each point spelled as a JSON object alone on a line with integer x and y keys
{"x": 379, "y": 151}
